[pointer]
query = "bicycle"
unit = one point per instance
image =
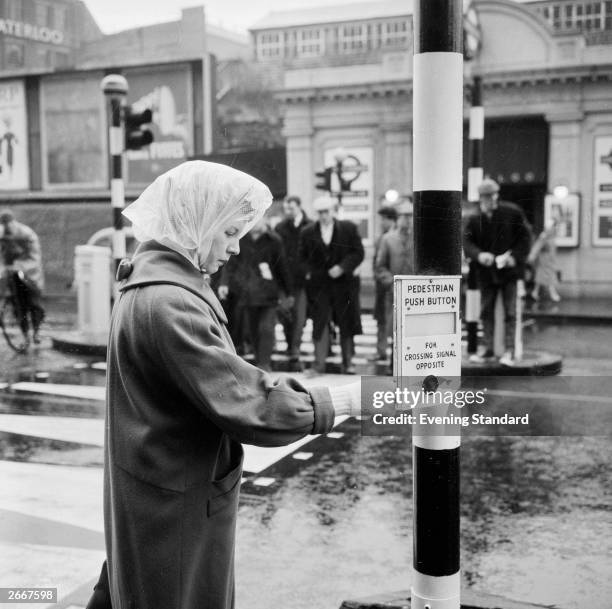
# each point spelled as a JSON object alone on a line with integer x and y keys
{"x": 14, "y": 320}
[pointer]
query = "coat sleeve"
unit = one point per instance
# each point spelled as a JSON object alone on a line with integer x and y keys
{"x": 522, "y": 243}
{"x": 470, "y": 247}
{"x": 382, "y": 267}
{"x": 355, "y": 253}
{"x": 281, "y": 268}
{"x": 239, "y": 398}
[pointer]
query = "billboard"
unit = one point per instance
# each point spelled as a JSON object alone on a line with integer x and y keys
{"x": 167, "y": 90}
{"x": 14, "y": 174}
{"x": 602, "y": 192}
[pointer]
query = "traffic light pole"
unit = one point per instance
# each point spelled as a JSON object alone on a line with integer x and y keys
{"x": 437, "y": 186}
{"x": 475, "y": 175}
{"x": 115, "y": 87}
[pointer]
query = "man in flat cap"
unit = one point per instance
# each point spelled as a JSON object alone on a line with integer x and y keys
{"x": 388, "y": 218}
{"x": 395, "y": 256}
{"x": 498, "y": 238}
{"x": 20, "y": 251}
{"x": 331, "y": 250}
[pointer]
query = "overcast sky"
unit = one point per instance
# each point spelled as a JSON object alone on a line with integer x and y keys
{"x": 115, "y": 15}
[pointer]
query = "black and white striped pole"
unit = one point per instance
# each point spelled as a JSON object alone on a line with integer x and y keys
{"x": 475, "y": 176}
{"x": 437, "y": 186}
{"x": 115, "y": 88}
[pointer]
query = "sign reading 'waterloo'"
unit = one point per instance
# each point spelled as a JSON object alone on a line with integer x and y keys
{"x": 32, "y": 32}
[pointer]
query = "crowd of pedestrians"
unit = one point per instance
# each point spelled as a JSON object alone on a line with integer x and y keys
{"x": 310, "y": 268}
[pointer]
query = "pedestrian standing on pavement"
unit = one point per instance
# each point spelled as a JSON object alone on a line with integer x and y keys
{"x": 266, "y": 286}
{"x": 395, "y": 256}
{"x": 498, "y": 238}
{"x": 20, "y": 252}
{"x": 289, "y": 230}
{"x": 543, "y": 257}
{"x": 180, "y": 402}
{"x": 388, "y": 218}
{"x": 331, "y": 250}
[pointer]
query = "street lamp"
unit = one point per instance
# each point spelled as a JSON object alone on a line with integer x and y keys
{"x": 392, "y": 196}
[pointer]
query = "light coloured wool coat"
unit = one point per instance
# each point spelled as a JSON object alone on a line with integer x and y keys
{"x": 179, "y": 404}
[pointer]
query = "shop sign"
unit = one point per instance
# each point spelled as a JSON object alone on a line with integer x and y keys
{"x": 31, "y": 32}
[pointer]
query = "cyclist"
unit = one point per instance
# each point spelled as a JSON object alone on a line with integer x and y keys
{"x": 20, "y": 251}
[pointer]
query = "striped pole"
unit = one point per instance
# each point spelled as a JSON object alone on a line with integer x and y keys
{"x": 437, "y": 186}
{"x": 115, "y": 87}
{"x": 475, "y": 175}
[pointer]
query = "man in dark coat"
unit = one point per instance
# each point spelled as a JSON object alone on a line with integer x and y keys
{"x": 498, "y": 238}
{"x": 266, "y": 282}
{"x": 289, "y": 231}
{"x": 331, "y": 250}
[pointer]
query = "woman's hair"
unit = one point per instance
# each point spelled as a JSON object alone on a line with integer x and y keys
{"x": 187, "y": 206}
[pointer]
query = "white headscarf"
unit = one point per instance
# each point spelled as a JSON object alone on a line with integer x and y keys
{"x": 187, "y": 206}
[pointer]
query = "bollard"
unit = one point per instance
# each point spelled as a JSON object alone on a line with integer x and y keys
{"x": 91, "y": 273}
{"x": 437, "y": 187}
{"x": 115, "y": 87}
{"x": 518, "y": 331}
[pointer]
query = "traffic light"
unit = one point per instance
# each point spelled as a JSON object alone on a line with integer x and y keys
{"x": 324, "y": 179}
{"x": 136, "y": 136}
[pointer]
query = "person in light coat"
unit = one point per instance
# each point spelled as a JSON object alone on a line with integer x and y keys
{"x": 181, "y": 402}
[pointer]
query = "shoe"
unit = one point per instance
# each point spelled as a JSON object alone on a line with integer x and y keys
{"x": 507, "y": 359}
{"x": 348, "y": 370}
{"x": 554, "y": 296}
{"x": 310, "y": 373}
{"x": 481, "y": 358}
{"x": 36, "y": 338}
{"x": 377, "y": 358}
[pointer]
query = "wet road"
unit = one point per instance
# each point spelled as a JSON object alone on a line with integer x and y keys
{"x": 536, "y": 512}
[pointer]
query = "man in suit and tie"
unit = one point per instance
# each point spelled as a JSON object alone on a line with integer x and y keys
{"x": 331, "y": 250}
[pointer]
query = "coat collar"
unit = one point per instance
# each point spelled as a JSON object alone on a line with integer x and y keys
{"x": 156, "y": 264}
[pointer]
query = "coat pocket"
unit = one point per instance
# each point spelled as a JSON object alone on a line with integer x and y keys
{"x": 225, "y": 490}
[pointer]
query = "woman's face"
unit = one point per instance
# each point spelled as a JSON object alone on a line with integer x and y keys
{"x": 225, "y": 244}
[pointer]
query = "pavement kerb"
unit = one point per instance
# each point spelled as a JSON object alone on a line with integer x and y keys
{"x": 469, "y": 600}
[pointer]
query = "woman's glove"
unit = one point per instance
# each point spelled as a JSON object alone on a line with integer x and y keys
{"x": 346, "y": 399}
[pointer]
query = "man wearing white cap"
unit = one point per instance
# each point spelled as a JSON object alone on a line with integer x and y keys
{"x": 498, "y": 238}
{"x": 395, "y": 256}
{"x": 331, "y": 250}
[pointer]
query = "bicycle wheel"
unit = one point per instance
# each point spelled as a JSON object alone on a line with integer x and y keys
{"x": 15, "y": 324}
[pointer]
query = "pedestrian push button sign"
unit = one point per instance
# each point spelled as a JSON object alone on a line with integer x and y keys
{"x": 427, "y": 328}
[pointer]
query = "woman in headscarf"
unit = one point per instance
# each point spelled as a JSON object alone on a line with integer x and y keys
{"x": 180, "y": 401}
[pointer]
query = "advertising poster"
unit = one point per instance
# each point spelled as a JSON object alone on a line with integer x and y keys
{"x": 14, "y": 174}
{"x": 566, "y": 213}
{"x": 167, "y": 91}
{"x": 602, "y": 192}
{"x": 358, "y": 176}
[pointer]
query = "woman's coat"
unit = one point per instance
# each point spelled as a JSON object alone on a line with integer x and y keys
{"x": 179, "y": 405}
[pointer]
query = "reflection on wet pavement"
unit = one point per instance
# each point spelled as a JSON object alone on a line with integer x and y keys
{"x": 536, "y": 511}
{"x": 17, "y": 447}
{"x": 536, "y": 523}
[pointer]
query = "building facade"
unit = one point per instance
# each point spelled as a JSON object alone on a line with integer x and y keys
{"x": 54, "y": 154}
{"x": 344, "y": 75}
{"x": 41, "y": 34}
